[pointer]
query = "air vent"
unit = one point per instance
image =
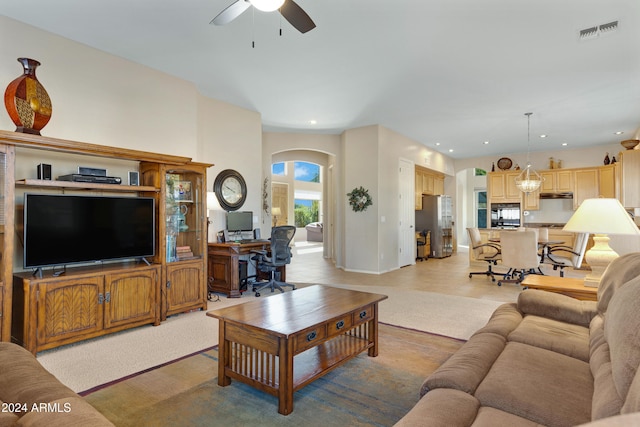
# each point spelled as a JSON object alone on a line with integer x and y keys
{"x": 598, "y": 30}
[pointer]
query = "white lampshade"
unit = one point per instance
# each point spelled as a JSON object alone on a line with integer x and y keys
{"x": 276, "y": 211}
{"x": 600, "y": 217}
{"x": 267, "y": 5}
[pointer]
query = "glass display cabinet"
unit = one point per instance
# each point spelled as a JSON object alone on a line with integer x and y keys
{"x": 182, "y": 234}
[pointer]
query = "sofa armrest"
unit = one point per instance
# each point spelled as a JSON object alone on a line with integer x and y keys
{"x": 556, "y": 306}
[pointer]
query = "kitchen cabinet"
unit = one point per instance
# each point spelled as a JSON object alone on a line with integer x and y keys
{"x": 630, "y": 177}
{"x": 585, "y": 185}
{"x": 427, "y": 182}
{"x": 556, "y": 181}
{"x": 502, "y": 187}
{"x": 607, "y": 181}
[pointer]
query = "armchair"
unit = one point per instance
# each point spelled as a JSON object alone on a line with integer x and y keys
{"x": 488, "y": 252}
{"x": 561, "y": 256}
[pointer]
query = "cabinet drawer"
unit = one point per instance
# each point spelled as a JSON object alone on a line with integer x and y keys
{"x": 363, "y": 315}
{"x": 340, "y": 325}
{"x": 309, "y": 338}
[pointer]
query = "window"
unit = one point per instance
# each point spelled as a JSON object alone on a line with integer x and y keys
{"x": 308, "y": 172}
{"x": 278, "y": 169}
{"x": 481, "y": 209}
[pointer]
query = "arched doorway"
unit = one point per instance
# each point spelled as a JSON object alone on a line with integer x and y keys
{"x": 301, "y": 182}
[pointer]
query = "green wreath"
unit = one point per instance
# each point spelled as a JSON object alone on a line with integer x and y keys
{"x": 359, "y": 199}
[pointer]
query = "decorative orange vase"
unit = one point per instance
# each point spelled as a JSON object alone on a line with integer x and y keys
{"x": 26, "y": 100}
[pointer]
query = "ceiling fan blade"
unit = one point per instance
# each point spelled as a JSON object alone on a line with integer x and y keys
{"x": 296, "y": 16}
{"x": 231, "y": 12}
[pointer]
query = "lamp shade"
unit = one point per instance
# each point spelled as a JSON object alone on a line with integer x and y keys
{"x": 601, "y": 216}
{"x": 276, "y": 211}
{"x": 267, "y": 5}
{"x": 212, "y": 202}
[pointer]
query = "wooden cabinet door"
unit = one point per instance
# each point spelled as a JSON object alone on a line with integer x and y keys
{"x": 513, "y": 194}
{"x": 630, "y": 177}
{"x": 497, "y": 191}
{"x": 548, "y": 182}
{"x": 438, "y": 186}
{"x": 607, "y": 181}
{"x": 131, "y": 297}
{"x": 69, "y": 308}
{"x": 185, "y": 288}
{"x": 428, "y": 184}
{"x": 564, "y": 181}
{"x": 418, "y": 191}
{"x": 531, "y": 201}
{"x": 585, "y": 186}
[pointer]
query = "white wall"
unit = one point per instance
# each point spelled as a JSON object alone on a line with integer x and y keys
{"x": 103, "y": 99}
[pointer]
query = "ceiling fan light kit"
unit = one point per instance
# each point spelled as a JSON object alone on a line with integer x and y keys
{"x": 289, "y": 9}
{"x": 267, "y": 5}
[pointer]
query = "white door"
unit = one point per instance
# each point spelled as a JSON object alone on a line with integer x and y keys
{"x": 407, "y": 237}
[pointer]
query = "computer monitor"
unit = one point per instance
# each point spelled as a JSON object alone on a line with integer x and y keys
{"x": 240, "y": 221}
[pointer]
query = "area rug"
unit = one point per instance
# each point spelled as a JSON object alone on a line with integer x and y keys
{"x": 366, "y": 391}
{"x": 135, "y": 350}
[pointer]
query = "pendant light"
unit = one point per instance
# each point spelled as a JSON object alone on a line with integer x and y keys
{"x": 529, "y": 180}
{"x": 267, "y": 5}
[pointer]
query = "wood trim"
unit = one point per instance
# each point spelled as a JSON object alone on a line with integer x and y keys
{"x": 66, "y": 146}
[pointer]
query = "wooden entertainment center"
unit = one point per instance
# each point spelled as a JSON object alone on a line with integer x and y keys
{"x": 92, "y": 300}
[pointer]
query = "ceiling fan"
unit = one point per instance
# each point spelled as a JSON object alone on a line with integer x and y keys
{"x": 288, "y": 8}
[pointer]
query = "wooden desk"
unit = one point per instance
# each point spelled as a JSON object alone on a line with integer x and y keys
{"x": 562, "y": 285}
{"x": 223, "y": 273}
{"x": 281, "y": 343}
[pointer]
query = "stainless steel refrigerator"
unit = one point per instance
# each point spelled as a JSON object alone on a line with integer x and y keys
{"x": 437, "y": 216}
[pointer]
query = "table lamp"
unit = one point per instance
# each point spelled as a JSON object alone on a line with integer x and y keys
{"x": 600, "y": 217}
{"x": 212, "y": 205}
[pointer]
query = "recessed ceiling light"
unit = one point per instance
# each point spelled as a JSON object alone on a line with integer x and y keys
{"x": 564, "y": 144}
{"x": 486, "y": 142}
{"x": 543, "y": 136}
{"x": 619, "y": 132}
{"x": 313, "y": 122}
{"x": 451, "y": 150}
{"x": 437, "y": 143}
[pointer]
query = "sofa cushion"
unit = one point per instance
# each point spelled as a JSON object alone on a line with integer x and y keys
{"x": 25, "y": 380}
{"x": 503, "y": 321}
{"x": 561, "y": 337}
{"x": 540, "y": 385}
{"x": 556, "y": 306}
{"x": 66, "y": 412}
{"x": 491, "y": 417}
{"x": 467, "y": 367}
{"x": 442, "y": 408}
{"x": 622, "y": 332}
{"x": 620, "y": 271}
{"x": 7, "y": 418}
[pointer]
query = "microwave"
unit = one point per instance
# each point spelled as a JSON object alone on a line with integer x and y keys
{"x": 505, "y": 215}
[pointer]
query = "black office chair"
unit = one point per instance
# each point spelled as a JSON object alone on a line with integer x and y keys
{"x": 421, "y": 242}
{"x": 280, "y": 255}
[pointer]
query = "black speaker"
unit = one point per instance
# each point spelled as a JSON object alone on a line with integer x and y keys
{"x": 44, "y": 171}
{"x": 256, "y": 233}
{"x": 134, "y": 178}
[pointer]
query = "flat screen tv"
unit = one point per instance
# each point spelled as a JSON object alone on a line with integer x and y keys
{"x": 240, "y": 221}
{"x": 68, "y": 229}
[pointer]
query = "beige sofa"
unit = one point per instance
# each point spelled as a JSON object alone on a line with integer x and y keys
{"x": 546, "y": 360}
{"x": 31, "y": 396}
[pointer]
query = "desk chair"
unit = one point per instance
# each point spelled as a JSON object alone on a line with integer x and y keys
{"x": 280, "y": 255}
{"x": 561, "y": 256}
{"x": 421, "y": 244}
{"x": 520, "y": 255}
{"x": 488, "y": 252}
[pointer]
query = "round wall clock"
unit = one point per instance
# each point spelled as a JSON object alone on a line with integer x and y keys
{"x": 230, "y": 189}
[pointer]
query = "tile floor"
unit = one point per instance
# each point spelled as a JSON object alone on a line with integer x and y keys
{"x": 447, "y": 276}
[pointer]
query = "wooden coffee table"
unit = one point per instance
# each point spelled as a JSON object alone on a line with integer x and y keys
{"x": 283, "y": 342}
{"x": 563, "y": 285}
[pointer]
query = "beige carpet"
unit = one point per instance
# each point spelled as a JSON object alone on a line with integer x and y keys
{"x": 91, "y": 363}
